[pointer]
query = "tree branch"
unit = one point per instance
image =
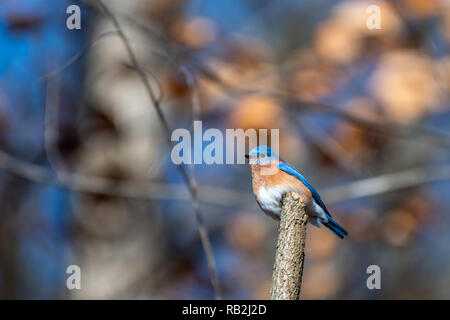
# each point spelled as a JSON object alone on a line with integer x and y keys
{"x": 290, "y": 254}
{"x": 437, "y": 137}
{"x": 190, "y": 181}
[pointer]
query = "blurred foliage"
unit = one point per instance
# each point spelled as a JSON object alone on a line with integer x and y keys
{"x": 316, "y": 51}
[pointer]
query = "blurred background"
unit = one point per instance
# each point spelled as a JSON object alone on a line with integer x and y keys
{"x": 86, "y": 176}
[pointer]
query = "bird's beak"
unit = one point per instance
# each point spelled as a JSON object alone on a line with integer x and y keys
{"x": 247, "y": 156}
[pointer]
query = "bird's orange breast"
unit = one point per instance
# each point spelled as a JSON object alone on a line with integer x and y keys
{"x": 279, "y": 179}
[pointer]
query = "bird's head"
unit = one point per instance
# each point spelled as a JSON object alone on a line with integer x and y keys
{"x": 262, "y": 155}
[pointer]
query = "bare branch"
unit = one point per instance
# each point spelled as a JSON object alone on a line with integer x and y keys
{"x": 192, "y": 186}
{"x": 290, "y": 254}
{"x": 438, "y": 138}
{"x": 329, "y": 146}
{"x": 195, "y": 102}
{"x": 386, "y": 183}
{"x": 215, "y": 195}
{"x": 78, "y": 56}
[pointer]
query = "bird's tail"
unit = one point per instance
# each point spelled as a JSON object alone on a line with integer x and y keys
{"x": 335, "y": 227}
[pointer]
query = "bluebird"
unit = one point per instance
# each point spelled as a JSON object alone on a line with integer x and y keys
{"x": 270, "y": 187}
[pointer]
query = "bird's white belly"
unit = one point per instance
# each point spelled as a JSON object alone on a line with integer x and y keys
{"x": 269, "y": 199}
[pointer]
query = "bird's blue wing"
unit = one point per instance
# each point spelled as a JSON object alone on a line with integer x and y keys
{"x": 331, "y": 224}
{"x": 286, "y": 167}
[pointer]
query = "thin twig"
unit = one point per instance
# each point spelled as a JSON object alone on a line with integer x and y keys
{"x": 329, "y": 146}
{"x": 439, "y": 138}
{"x": 214, "y": 195}
{"x": 195, "y": 102}
{"x": 78, "y": 56}
{"x": 192, "y": 187}
{"x": 387, "y": 182}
